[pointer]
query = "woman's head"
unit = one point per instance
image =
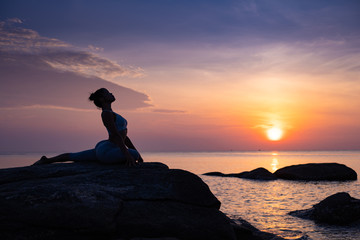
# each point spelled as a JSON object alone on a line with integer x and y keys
{"x": 101, "y": 96}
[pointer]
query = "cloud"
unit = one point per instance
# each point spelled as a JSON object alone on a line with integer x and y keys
{"x": 316, "y": 57}
{"x": 33, "y": 107}
{"x": 61, "y": 55}
{"x": 26, "y": 80}
{"x": 248, "y": 6}
{"x": 95, "y": 49}
{"x": 40, "y": 71}
{"x": 168, "y": 111}
{"x": 14, "y": 20}
{"x": 89, "y": 64}
{"x": 18, "y": 39}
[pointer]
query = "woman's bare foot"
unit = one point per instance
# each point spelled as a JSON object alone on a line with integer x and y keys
{"x": 43, "y": 160}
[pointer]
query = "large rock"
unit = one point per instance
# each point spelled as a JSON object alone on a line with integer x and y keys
{"x": 91, "y": 201}
{"x": 317, "y": 172}
{"x": 256, "y": 174}
{"x": 339, "y": 209}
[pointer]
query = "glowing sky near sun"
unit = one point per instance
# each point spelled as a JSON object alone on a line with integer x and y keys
{"x": 188, "y": 75}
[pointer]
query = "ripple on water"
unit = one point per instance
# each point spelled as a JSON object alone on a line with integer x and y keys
{"x": 266, "y": 205}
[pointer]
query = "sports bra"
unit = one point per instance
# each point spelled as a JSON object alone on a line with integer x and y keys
{"x": 120, "y": 122}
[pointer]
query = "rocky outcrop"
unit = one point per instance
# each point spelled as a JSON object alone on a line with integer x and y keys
{"x": 317, "y": 172}
{"x": 339, "y": 209}
{"x": 58, "y": 201}
{"x": 256, "y": 174}
{"x": 92, "y": 201}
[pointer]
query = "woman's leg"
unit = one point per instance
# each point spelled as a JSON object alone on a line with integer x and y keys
{"x": 109, "y": 153}
{"x": 60, "y": 158}
{"x": 83, "y": 156}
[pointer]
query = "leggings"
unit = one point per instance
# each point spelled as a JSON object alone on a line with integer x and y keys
{"x": 104, "y": 152}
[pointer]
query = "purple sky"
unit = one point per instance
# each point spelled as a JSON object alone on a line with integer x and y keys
{"x": 188, "y": 75}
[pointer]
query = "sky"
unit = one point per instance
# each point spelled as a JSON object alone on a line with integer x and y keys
{"x": 187, "y": 75}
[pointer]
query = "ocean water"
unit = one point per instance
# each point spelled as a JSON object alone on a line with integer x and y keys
{"x": 264, "y": 204}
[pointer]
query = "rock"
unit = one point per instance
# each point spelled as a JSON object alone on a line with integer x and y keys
{"x": 91, "y": 201}
{"x": 218, "y": 174}
{"x": 317, "y": 172}
{"x": 308, "y": 172}
{"x": 256, "y": 174}
{"x": 339, "y": 209}
{"x": 244, "y": 230}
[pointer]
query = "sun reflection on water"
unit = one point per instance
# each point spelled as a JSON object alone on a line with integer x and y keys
{"x": 274, "y": 162}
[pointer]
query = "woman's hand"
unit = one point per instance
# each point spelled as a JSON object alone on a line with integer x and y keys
{"x": 140, "y": 160}
{"x": 130, "y": 161}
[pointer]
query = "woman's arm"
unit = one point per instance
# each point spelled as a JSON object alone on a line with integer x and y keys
{"x": 108, "y": 121}
{"x": 129, "y": 144}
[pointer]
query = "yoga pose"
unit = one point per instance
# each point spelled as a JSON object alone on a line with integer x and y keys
{"x": 117, "y": 149}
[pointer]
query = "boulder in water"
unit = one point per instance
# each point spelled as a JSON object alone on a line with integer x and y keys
{"x": 339, "y": 209}
{"x": 317, "y": 172}
{"x": 256, "y": 174}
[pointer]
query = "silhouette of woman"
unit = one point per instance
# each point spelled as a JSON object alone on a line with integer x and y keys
{"x": 118, "y": 148}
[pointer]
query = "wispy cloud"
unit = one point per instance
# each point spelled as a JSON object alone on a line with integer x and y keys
{"x": 95, "y": 49}
{"x": 61, "y": 55}
{"x": 248, "y": 6}
{"x": 89, "y": 64}
{"x": 38, "y": 106}
{"x": 14, "y": 20}
{"x": 42, "y": 72}
{"x": 18, "y": 39}
{"x": 158, "y": 110}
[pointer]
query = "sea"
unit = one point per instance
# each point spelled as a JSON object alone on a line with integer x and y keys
{"x": 264, "y": 204}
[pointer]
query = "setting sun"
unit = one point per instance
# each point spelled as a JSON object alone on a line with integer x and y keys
{"x": 274, "y": 134}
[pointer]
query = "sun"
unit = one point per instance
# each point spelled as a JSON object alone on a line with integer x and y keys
{"x": 274, "y": 133}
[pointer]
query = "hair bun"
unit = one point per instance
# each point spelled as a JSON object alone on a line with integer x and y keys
{"x": 92, "y": 97}
{"x": 97, "y": 95}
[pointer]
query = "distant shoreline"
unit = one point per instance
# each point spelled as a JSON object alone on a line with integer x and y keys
{"x": 200, "y": 151}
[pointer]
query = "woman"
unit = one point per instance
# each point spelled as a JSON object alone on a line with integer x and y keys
{"x": 117, "y": 149}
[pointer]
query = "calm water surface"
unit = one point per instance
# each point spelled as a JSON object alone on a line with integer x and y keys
{"x": 263, "y": 204}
